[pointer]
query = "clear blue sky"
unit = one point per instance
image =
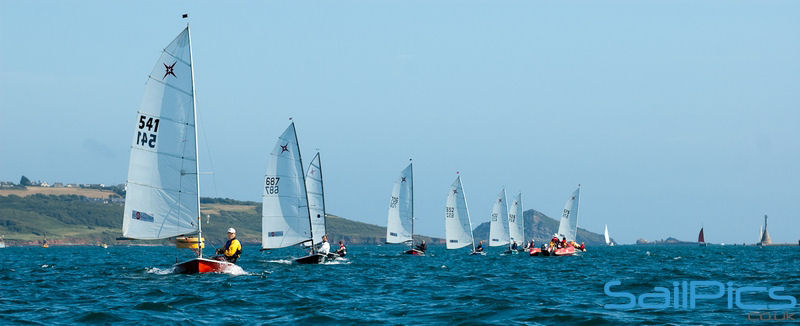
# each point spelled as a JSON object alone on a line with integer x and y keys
{"x": 672, "y": 114}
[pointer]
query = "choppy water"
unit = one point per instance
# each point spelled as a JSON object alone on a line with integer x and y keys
{"x": 130, "y": 285}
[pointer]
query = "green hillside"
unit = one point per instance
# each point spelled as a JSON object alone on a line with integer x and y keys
{"x": 72, "y": 219}
{"x": 541, "y": 228}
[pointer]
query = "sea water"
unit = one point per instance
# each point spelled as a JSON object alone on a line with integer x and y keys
{"x": 376, "y": 284}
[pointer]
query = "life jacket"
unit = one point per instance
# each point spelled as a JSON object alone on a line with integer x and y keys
{"x": 238, "y": 252}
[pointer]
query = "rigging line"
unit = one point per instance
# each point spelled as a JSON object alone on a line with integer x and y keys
{"x": 204, "y": 132}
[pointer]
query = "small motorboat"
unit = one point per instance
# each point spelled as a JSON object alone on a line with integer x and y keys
{"x": 568, "y": 251}
{"x": 202, "y": 265}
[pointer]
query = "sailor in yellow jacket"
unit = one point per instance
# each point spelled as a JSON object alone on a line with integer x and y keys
{"x": 232, "y": 249}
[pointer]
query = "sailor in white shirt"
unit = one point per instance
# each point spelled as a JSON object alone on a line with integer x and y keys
{"x": 325, "y": 248}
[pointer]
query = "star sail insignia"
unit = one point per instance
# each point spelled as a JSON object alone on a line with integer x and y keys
{"x": 455, "y": 191}
{"x": 170, "y": 70}
{"x": 284, "y": 148}
{"x": 403, "y": 179}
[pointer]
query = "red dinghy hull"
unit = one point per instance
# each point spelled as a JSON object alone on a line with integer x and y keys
{"x": 414, "y": 252}
{"x": 568, "y": 251}
{"x": 535, "y": 251}
{"x": 202, "y": 265}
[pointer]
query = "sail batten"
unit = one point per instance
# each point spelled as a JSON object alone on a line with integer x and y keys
{"x": 458, "y": 227}
{"x": 498, "y": 223}
{"x": 285, "y": 219}
{"x": 400, "y": 224}
{"x": 162, "y": 187}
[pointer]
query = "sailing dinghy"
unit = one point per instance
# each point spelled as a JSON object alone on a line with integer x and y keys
{"x": 162, "y": 199}
{"x": 516, "y": 228}
{"x": 285, "y": 213}
{"x": 568, "y": 226}
{"x": 400, "y": 220}
{"x": 316, "y": 201}
{"x": 607, "y": 238}
{"x": 458, "y": 226}
{"x": 498, "y": 223}
{"x": 701, "y": 239}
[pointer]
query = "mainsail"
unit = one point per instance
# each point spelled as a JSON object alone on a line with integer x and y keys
{"x": 700, "y": 237}
{"x": 400, "y": 224}
{"x": 162, "y": 188}
{"x": 568, "y": 227}
{"x": 285, "y": 212}
{"x": 516, "y": 225}
{"x": 316, "y": 198}
{"x": 498, "y": 225}
{"x": 458, "y": 227}
{"x": 605, "y": 235}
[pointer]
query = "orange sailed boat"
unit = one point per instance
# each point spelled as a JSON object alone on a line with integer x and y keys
{"x": 163, "y": 196}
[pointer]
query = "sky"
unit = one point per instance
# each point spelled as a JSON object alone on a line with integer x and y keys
{"x": 672, "y": 115}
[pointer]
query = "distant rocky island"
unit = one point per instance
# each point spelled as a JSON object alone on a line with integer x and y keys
{"x": 667, "y": 241}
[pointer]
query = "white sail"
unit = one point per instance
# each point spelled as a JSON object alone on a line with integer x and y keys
{"x": 400, "y": 224}
{"x": 498, "y": 225}
{"x": 162, "y": 187}
{"x": 516, "y": 227}
{"x": 458, "y": 227}
{"x": 605, "y": 235}
{"x": 316, "y": 198}
{"x": 284, "y": 215}
{"x": 568, "y": 227}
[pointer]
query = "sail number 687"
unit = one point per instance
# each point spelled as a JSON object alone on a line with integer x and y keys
{"x": 271, "y": 185}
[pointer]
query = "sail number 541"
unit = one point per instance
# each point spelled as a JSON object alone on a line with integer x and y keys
{"x": 271, "y": 185}
{"x": 147, "y": 137}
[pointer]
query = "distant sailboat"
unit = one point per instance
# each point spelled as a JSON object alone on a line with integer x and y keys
{"x": 516, "y": 226}
{"x": 163, "y": 194}
{"x": 701, "y": 239}
{"x": 285, "y": 213}
{"x": 44, "y": 242}
{"x": 458, "y": 226}
{"x": 498, "y": 223}
{"x": 400, "y": 220}
{"x": 607, "y": 238}
{"x": 2, "y": 243}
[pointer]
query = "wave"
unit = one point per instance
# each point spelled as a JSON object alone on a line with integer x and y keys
{"x": 159, "y": 271}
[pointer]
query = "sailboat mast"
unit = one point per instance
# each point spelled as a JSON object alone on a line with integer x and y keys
{"x": 196, "y": 150}
{"x": 508, "y": 225}
{"x": 412, "y": 204}
{"x": 322, "y": 189}
{"x": 464, "y": 193}
{"x": 305, "y": 191}
{"x": 577, "y": 213}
